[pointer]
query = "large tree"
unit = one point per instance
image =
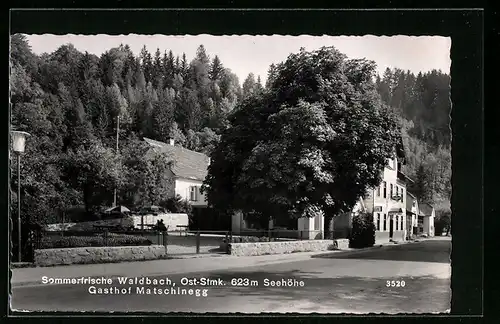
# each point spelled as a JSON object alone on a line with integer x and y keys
{"x": 94, "y": 171}
{"x": 315, "y": 141}
{"x": 146, "y": 180}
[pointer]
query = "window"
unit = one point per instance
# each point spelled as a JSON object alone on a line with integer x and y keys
{"x": 378, "y": 191}
{"x": 402, "y": 194}
{"x": 378, "y": 221}
{"x": 385, "y": 189}
{"x": 384, "y": 223}
{"x": 397, "y": 223}
{"x": 391, "y": 190}
{"x": 397, "y": 191}
{"x": 402, "y": 223}
{"x": 193, "y": 193}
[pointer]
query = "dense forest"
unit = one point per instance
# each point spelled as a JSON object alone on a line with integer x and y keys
{"x": 423, "y": 105}
{"x": 73, "y": 103}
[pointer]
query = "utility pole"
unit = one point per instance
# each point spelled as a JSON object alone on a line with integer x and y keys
{"x": 117, "y": 139}
{"x": 19, "y": 227}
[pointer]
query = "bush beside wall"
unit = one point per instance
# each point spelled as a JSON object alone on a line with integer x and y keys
{"x": 93, "y": 241}
{"x": 128, "y": 222}
{"x": 363, "y": 231}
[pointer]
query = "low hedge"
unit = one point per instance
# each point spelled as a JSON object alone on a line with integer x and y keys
{"x": 93, "y": 241}
{"x": 248, "y": 239}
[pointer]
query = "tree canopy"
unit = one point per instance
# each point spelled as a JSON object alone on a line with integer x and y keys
{"x": 70, "y": 102}
{"x": 318, "y": 138}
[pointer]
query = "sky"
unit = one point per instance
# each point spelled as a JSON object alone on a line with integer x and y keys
{"x": 253, "y": 54}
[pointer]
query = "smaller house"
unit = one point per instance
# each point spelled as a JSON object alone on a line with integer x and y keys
{"x": 189, "y": 169}
{"x": 426, "y": 218}
{"x": 412, "y": 213}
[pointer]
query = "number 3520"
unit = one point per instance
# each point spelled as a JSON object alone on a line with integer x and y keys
{"x": 395, "y": 283}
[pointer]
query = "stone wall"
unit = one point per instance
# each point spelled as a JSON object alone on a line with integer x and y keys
{"x": 170, "y": 220}
{"x": 86, "y": 255}
{"x": 263, "y": 248}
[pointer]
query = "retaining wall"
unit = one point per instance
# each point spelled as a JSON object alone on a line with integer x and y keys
{"x": 86, "y": 255}
{"x": 263, "y": 248}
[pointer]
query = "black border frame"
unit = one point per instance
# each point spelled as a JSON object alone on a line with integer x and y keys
{"x": 464, "y": 26}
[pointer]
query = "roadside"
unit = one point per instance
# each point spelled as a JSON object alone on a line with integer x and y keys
{"x": 344, "y": 282}
{"x": 174, "y": 265}
{"x": 33, "y": 276}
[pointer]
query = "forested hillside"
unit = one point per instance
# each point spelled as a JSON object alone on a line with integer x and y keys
{"x": 72, "y": 103}
{"x": 424, "y": 105}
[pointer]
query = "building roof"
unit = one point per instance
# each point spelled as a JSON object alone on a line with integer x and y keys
{"x": 425, "y": 209}
{"x": 403, "y": 176}
{"x": 187, "y": 164}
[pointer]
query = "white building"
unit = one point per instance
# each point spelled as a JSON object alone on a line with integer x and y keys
{"x": 188, "y": 170}
{"x": 412, "y": 212}
{"x": 426, "y": 218}
{"x": 387, "y": 203}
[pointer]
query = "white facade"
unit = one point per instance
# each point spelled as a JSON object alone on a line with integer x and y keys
{"x": 190, "y": 190}
{"x": 389, "y": 205}
{"x": 428, "y": 223}
{"x": 238, "y": 222}
{"x": 414, "y": 210}
{"x": 311, "y": 228}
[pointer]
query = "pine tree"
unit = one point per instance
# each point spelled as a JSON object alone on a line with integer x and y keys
{"x": 258, "y": 86}
{"x": 249, "y": 85}
{"x": 423, "y": 185}
{"x": 271, "y": 74}
{"x": 163, "y": 116}
{"x": 183, "y": 66}
{"x": 158, "y": 74}
{"x": 216, "y": 69}
{"x": 146, "y": 64}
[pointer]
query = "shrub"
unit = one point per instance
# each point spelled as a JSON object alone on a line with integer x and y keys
{"x": 177, "y": 205}
{"x": 363, "y": 231}
{"x": 93, "y": 241}
{"x": 249, "y": 239}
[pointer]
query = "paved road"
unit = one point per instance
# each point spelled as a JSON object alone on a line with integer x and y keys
{"x": 329, "y": 283}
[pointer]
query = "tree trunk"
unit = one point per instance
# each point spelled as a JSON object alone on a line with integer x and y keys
{"x": 328, "y": 227}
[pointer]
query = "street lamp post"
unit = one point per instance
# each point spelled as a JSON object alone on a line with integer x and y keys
{"x": 18, "y": 144}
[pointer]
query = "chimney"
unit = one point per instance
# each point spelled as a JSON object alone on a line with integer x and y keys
{"x": 172, "y": 141}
